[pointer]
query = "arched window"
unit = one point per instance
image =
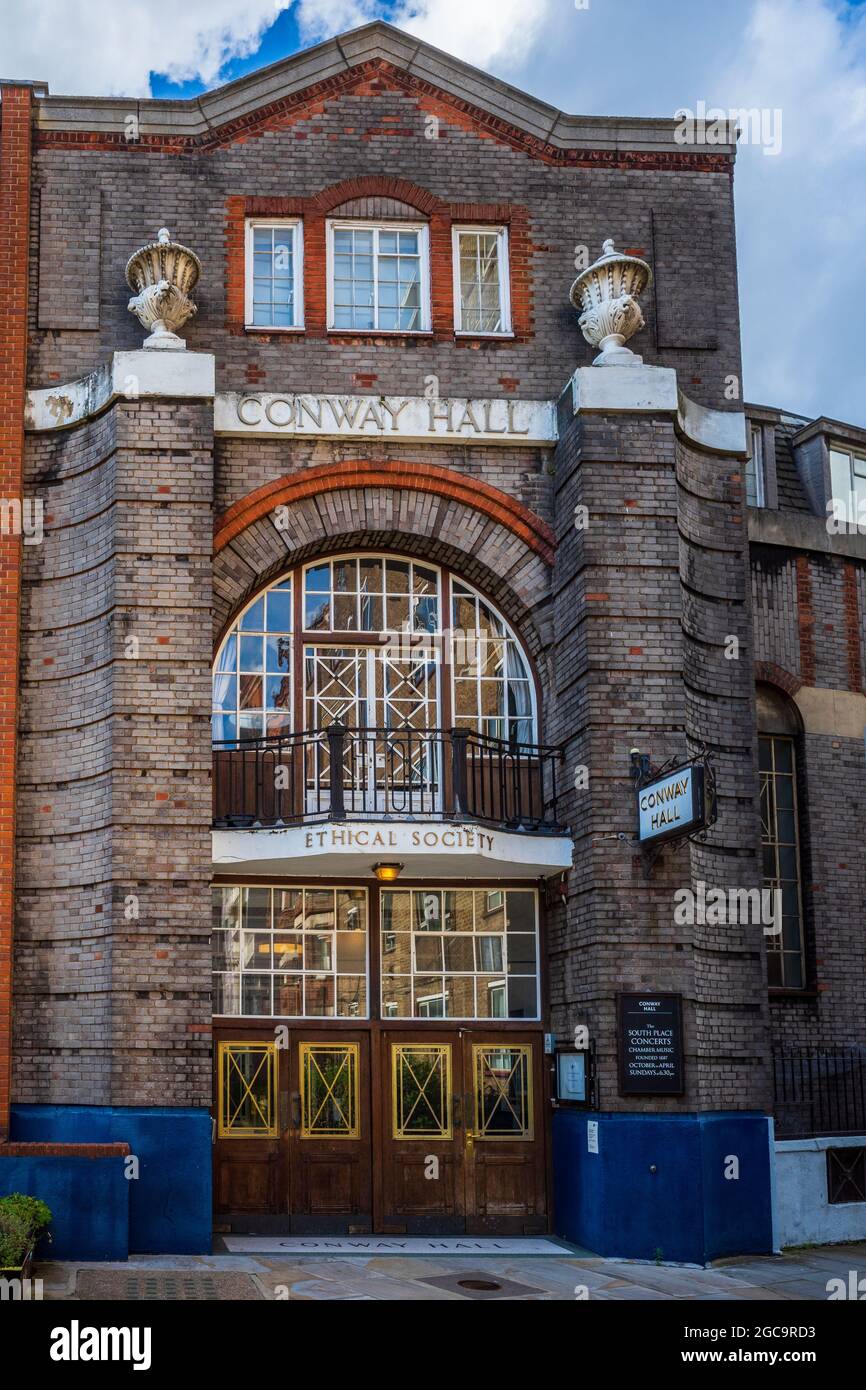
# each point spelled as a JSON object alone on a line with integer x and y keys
{"x": 779, "y": 732}
{"x": 375, "y": 641}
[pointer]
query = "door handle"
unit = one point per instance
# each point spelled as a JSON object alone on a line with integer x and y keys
{"x": 470, "y": 1140}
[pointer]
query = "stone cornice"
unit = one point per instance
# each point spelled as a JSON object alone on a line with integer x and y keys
{"x": 128, "y": 376}
{"x": 802, "y": 531}
{"x": 653, "y": 391}
{"x": 382, "y": 55}
{"x": 493, "y": 421}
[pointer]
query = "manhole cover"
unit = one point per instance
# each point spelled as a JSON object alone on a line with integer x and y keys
{"x": 473, "y": 1284}
{"x": 158, "y": 1287}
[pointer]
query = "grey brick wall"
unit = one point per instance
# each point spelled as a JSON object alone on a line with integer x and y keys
{"x": 644, "y": 600}
{"x": 112, "y": 954}
{"x": 142, "y": 190}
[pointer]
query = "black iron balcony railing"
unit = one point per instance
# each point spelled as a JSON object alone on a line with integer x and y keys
{"x": 340, "y": 773}
{"x": 819, "y": 1091}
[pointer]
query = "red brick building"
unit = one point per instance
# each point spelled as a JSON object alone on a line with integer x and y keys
{"x": 339, "y": 626}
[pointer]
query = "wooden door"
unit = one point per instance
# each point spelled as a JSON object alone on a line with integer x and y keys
{"x": 329, "y": 1139}
{"x": 463, "y": 1141}
{"x": 250, "y": 1156}
{"x": 422, "y": 1133}
{"x": 505, "y": 1158}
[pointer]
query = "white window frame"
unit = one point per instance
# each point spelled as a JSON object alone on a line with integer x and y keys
{"x": 297, "y": 227}
{"x": 459, "y": 229}
{"x": 756, "y": 441}
{"x": 363, "y": 225}
{"x": 856, "y": 469}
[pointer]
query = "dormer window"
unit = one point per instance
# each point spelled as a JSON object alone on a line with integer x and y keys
{"x": 378, "y": 277}
{"x": 848, "y": 485}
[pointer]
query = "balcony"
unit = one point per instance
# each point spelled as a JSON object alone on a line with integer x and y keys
{"x": 340, "y": 774}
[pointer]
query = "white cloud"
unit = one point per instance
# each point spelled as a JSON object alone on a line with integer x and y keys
{"x": 479, "y": 31}
{"x": 110, "y": 47}
{"x": 801, "y": 216}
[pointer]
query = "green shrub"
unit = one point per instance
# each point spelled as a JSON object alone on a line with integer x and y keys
{"x": 22, "y": 1220}
{"x": 30, "y": 1209}
{"x": 15, "y": 1239}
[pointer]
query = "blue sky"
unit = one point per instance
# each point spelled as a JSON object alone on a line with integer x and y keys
{"x": 801, "y": 213}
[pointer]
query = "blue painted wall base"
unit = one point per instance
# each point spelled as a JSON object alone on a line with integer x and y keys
{"x": 169, "y": 1203}
{"x": 688, "y": 1210}
{"x": 88, "y": 1199}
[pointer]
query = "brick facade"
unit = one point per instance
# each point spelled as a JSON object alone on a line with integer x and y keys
{"x": 157, "y": 533}
{"x": 15, "y": 176}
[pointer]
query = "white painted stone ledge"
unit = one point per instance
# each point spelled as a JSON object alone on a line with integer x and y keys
{"x": 143, "y": 375}
{"x": 140, "y": 375}
{"x": 654, "y": 391}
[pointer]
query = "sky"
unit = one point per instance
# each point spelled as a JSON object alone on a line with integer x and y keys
{"x": 801, "y": 210}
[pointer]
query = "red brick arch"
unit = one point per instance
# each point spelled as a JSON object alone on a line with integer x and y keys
{"x": 395, "y": 474}
{"x": 377, "y": 186}
{"x": 772, "y": 674}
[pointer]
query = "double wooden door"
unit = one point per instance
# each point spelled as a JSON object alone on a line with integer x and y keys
{"x": 292, "y": 1144}
{"x": 432, "y": 1131}
{"x": 463, "y": 1137}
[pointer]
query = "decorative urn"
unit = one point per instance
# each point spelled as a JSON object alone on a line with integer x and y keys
{"x": 162, "y": 274}
{"x": 607, "y": 293}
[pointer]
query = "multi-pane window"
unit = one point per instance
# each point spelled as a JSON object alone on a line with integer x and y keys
{"x": 781, "y": 851}
{"x": 425, "y": 672}
{"x": 371, "y": 593}
{"x": 492, "y": 690}
{"x": 755, "y": 478}
{"x": 274, "y": 279}
{"x": 449, "y": 953}
{"x": 290, "y": 952}
{"x": 848, "y": 486}
{"x": 481, "y": 297}
{"x": 252, "y": 684}
{"x": 378, "y": 278}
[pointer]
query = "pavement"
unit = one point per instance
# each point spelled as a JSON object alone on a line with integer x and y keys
{"x": 797, "y": 1275}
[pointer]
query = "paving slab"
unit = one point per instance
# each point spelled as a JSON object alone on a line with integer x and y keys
{"x": 801, "y": 1275}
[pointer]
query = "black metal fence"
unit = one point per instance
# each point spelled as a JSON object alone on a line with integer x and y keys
{"x": 819, "y": 1091}
{"x": 339, "y": 773}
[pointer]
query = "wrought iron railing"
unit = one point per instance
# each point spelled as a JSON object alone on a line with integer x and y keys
{"x": 819, "y": 1091}
{"x": 339, "y": 773}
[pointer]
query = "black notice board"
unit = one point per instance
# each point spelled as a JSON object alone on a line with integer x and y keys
{"x": 650, "y": 1044}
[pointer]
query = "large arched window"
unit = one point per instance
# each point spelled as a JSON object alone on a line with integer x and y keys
{"x": 779, "y": 731}
{"x": 374, "y": 641}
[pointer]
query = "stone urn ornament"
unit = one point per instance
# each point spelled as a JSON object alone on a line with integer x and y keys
{"x": 163, "y": 274}
{"x": 607, "y": 293}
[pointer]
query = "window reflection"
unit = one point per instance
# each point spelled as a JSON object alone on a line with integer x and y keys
{"x": 459, "y": 953}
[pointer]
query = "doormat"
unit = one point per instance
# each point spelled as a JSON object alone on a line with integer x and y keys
{"x": 394, "y": 1245}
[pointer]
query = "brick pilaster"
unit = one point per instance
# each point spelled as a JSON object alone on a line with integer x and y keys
{"x": 806, "y": 620}
{"x": 15, "y": 149}
{"x": 852, "y": 628}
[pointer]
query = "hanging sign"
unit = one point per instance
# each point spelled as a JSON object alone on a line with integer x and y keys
{"x": 672, "y": 806}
